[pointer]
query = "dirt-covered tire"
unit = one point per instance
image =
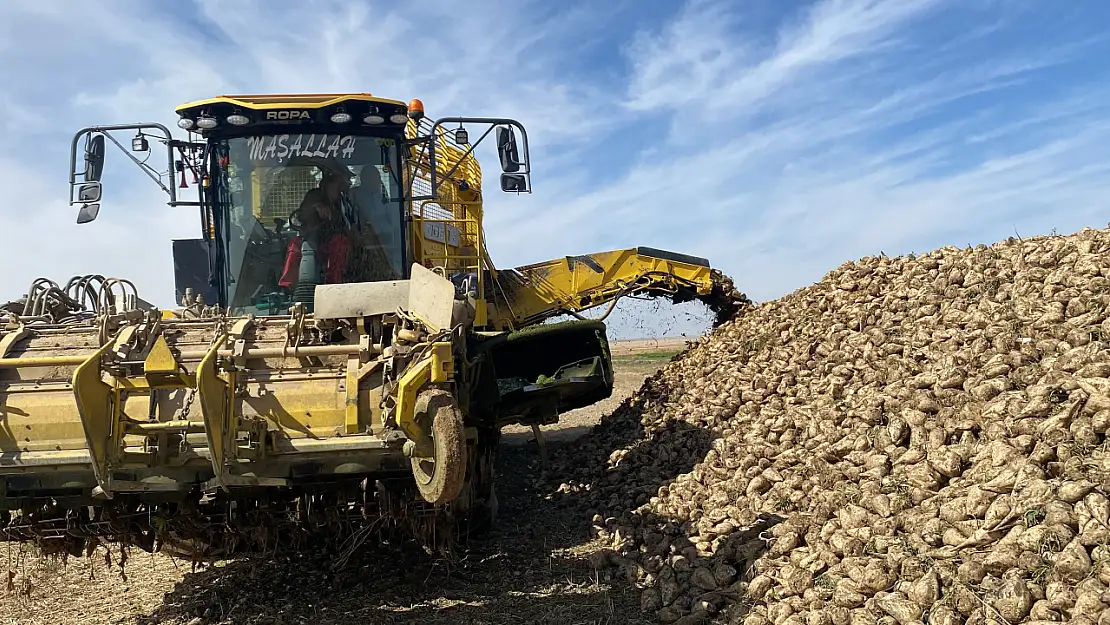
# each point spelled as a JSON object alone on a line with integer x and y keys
{"x": 441, "y": 478}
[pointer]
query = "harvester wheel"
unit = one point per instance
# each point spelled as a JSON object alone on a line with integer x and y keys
{"x": 440, "y": 478}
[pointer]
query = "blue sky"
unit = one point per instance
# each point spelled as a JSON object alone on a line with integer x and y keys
{"x": 777, "y": 138}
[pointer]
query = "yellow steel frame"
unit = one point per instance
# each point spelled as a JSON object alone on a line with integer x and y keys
{"x": 470, "y": 236}
{"x": 220, "y": 422}
{"x": 100, "y": 403}
{"x": 98, "y": 414}
{"x": 435, "y": 368}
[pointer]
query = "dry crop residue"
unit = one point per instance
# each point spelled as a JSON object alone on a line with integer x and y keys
{"x": 910, "y": 440}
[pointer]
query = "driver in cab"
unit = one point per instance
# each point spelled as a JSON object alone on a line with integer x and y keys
{"x": 322, "y": 220}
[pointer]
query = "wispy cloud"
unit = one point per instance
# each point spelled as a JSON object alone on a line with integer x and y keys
{"x": 702, "y": 60}
{"x": 777, "y": 141}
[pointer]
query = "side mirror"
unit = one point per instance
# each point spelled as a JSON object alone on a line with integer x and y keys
{"x": 94, "y": 158}
{"x": 514, "y": 183}
{"x": 506, "y": 148}
{"x": 87, "y": 213}
{"x": 89, "y": 192}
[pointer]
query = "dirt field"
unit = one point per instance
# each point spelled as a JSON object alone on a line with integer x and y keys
{"x": 647, "y": 346}
{"x": 533, "y": 568}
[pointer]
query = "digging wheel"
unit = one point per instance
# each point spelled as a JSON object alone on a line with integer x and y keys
{"x": 441, "y": 476}
{"x": 476, "y": 507}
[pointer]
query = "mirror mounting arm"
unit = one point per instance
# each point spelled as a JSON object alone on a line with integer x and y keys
{"x": 493, "y": 123}
{"x": 106, "y": 131}
{"x": 435, "y": 170}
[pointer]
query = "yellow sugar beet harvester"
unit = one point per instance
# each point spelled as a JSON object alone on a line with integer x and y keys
{"x": 344, "y": 346}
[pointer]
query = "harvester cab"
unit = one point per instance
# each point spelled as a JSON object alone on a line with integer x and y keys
{"x": 342, "y": 349}
{"x": 295, "y": 192}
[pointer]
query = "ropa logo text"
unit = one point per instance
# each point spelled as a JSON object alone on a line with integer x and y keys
{"x": 287, "y": 115}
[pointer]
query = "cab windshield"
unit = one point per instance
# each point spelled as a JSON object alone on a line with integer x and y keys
{"x": 305, "y": 209}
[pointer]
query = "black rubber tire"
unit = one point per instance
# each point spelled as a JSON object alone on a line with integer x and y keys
{"x": 441, "y": 478}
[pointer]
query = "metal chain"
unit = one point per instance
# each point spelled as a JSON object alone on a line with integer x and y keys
{"x": 188, "y": 404}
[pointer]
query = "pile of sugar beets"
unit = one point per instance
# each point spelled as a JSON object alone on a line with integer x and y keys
{"x": 910, "y": 440}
